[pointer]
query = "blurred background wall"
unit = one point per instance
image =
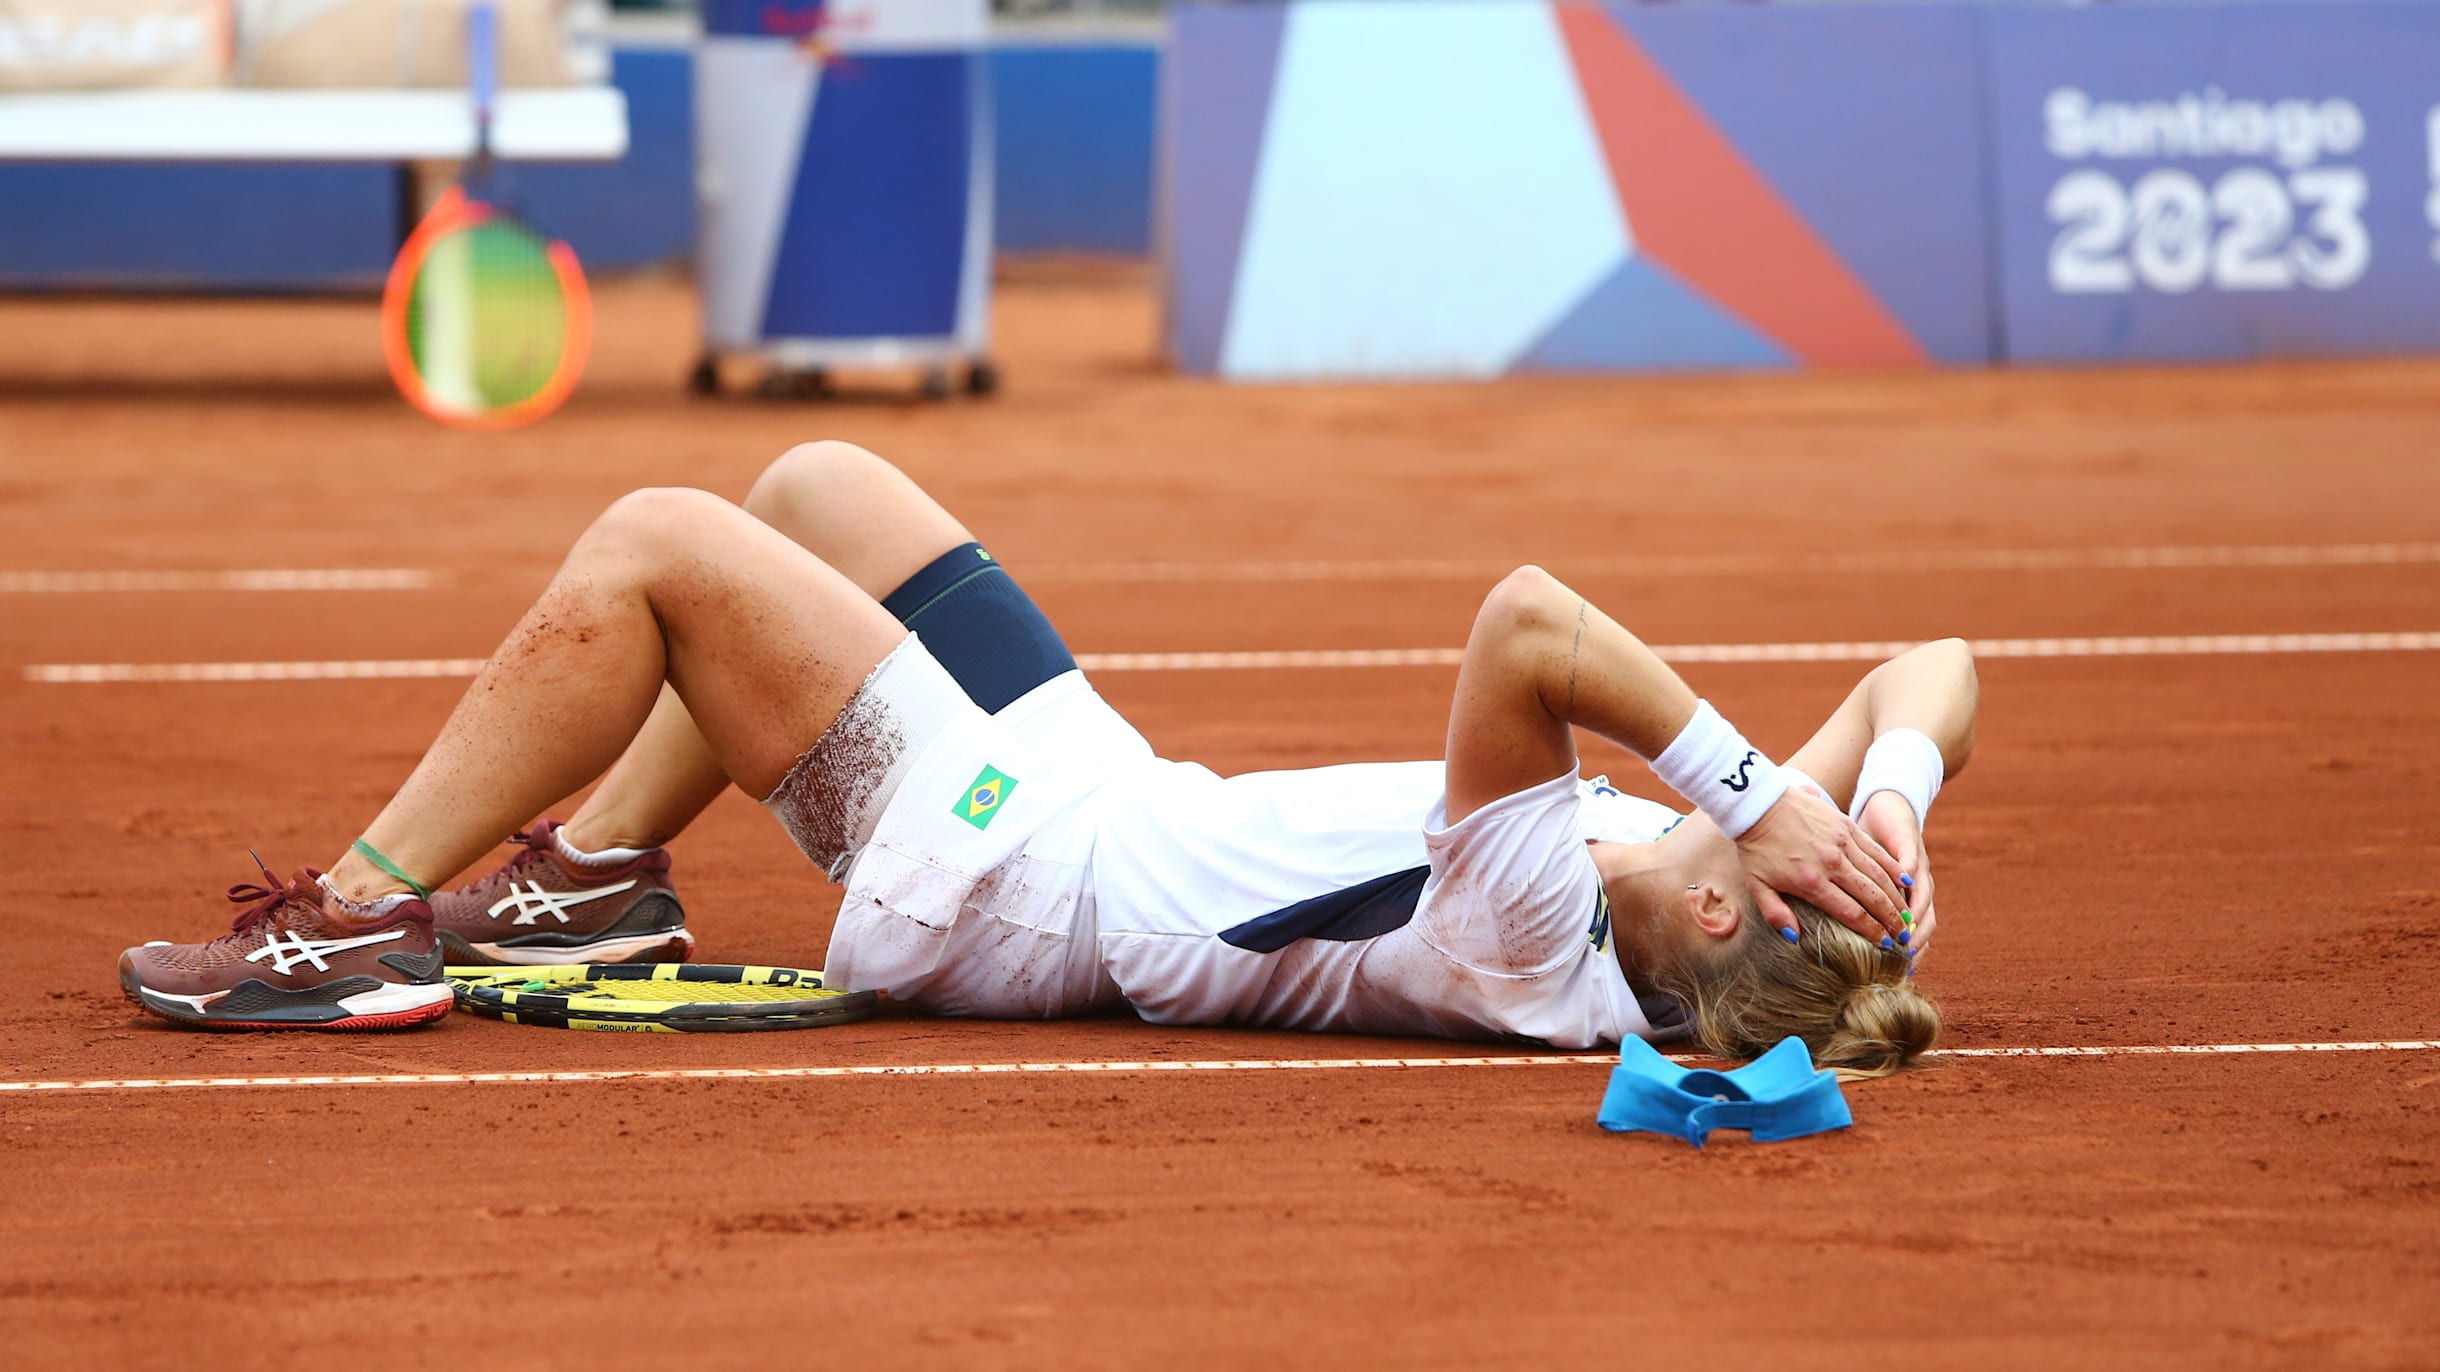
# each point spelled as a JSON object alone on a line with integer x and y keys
{"x": 1073, "y": 102}
{"x": 1371, "y": 188}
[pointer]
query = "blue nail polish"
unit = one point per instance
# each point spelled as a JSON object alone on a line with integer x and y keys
{"x": 1905, "y": 880}
{"x": 1790, "y": 933}
{"x": 1906, "y": 936}
{"x": 1885, "y": 943}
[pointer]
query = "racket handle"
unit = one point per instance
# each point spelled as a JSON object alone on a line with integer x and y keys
{"x": 483, "y": 59}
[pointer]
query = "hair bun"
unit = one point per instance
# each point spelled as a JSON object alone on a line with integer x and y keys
{"x": 1882, "y": 1026}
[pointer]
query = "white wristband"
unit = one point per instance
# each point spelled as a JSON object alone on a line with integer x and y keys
{"x": 1798, "y": 781}
{"x": 1725, "y": 777}
{"x": 1905, "y": 761}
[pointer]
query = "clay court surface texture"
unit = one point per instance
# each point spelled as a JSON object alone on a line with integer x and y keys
{"x": 2200, "y": 814}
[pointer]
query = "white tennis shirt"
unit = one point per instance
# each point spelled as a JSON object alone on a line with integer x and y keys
{"x": 1329, "y": 898}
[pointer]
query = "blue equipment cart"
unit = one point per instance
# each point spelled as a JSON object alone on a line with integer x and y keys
{"x": 843, "y": 157}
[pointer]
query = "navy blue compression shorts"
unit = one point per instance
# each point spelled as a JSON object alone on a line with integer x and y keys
{"x": 981, "y": 625}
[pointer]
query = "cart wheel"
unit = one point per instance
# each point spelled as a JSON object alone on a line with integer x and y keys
{"x": 782, "y": 383}
{"x": 935, "y": 384}
{"x": 705, "y": 378}
{"x": 983, "y": 379}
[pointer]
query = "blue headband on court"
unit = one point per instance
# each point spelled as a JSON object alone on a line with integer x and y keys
{"x": 1776, "y": 1096}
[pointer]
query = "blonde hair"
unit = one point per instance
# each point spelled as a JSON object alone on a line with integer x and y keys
{"x": 1849, "y": 1000}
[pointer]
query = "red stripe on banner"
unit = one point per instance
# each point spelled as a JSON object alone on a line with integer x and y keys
{"x": 1693, "y": 202}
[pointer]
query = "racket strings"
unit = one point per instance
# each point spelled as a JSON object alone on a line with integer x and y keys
{"x": 487, "y": 317}
{"x": 670, "y": 998}
{"x": 678, "y": 992}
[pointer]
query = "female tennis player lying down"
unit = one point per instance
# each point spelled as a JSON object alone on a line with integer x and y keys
{"x": 1011, "y": 846}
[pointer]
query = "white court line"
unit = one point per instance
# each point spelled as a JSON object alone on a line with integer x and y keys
{"x": 2187, "y": 645}
{"x": 261, "y": 579}
{"x": 1384, "y": 569}
{"x": 973, "y": 1069}
{"x": 86, "y": 673}
{"x": 1726, "y": 564}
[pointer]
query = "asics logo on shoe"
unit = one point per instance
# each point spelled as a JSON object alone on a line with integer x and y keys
{"x": 315, "y": 951}
{"x": 532, "y": 903}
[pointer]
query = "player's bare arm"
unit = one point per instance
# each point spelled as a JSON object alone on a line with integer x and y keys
{"x": 1931, "y": 691}
{"x": 1542, "y": 659}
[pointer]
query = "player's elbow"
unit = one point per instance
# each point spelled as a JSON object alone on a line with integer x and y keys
{"x": 1525, "y": 602}
{"x": 1956, "y": 658}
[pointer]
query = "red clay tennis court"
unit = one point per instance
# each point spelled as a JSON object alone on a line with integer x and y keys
{"x": 2199, "y": 814}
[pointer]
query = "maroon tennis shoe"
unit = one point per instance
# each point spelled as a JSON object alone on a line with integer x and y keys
{"x": 538, "y": 908}
{"x": 291, "y": 962}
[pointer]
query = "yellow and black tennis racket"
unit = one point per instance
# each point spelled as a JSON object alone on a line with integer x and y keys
{"x": 662, "y": 998}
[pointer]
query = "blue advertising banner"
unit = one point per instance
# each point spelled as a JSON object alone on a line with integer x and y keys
{"x": 1889, "y": 172}
{"x": 2188, "y": 182}
{"x": 1480, "y": 187}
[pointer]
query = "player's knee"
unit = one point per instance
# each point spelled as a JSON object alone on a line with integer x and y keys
{"x": 659, "y": 519}
{"x": 809, "y": 476}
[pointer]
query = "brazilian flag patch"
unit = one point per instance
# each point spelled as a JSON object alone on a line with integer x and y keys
{"x": 984, "y": 797}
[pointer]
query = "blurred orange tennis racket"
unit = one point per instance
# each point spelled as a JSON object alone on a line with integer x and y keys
{"x": 485, "y": 321}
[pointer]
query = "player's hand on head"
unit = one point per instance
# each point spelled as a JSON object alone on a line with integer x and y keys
{"x": 1803, "y": 846}
{"x": 1889, "y": 820}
